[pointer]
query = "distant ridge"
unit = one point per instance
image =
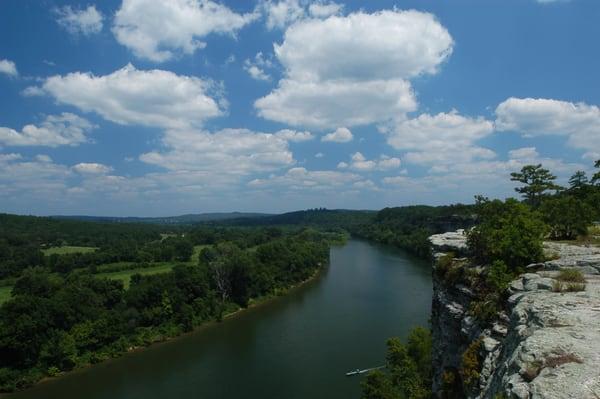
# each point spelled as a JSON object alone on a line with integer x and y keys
{"x": 315, "y": 217}
{"x": 182, "y": 219}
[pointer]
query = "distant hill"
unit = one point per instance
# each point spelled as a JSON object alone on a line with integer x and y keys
{"x": 311, "y": 217}
{"x": 179, "y": 220}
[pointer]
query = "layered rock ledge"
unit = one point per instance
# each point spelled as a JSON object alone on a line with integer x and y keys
{"x": 546, "y": 345}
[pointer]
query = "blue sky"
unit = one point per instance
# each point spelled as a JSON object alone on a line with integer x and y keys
{"x": 147, "y": 107}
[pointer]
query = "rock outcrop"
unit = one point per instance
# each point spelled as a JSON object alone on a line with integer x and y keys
{"x": 452, "y": 241}
{"x": 546, "y": 344}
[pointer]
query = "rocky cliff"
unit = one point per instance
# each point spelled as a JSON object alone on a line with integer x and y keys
{"x": 544, "y": 344}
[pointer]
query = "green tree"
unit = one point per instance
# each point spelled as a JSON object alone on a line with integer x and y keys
{"x": 596, "y": 177}
{"x": 508, "y": 231}
{"x": 377, "y": 385}
{"x": 537, "y": 182}
{"x": 59, "y": 351}
{"x": 578, "y": 181}
{"x": 567, "y": 217}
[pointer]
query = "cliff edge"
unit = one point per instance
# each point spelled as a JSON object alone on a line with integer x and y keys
{"x": 543, "y": 344}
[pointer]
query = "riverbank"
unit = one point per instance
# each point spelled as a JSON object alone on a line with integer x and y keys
{"x": 296, "y": 345}
{"x": 171, "y": 334}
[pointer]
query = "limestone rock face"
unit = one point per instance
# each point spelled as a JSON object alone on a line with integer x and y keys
{"x": 453, "y": 241}
{"x": 547, "y": 345}
{"x": 585, "y": 258}
{"x": 552, "y": 349}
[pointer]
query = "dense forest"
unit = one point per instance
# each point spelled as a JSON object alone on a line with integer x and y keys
{"x": 59, "y": 319}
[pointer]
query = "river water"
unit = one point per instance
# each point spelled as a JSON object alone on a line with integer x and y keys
{"x": 297, "y": 346}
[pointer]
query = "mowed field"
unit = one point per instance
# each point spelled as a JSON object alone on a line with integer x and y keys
{"x": 68, "y": 250}
{"x": 123, "y": 275}
{"x": 5, "y": 294}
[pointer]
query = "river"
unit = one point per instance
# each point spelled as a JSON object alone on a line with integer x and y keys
{"x": 297, "y": 346}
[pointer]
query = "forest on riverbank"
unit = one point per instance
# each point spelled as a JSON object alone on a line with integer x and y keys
{"x": 61, "y": 314}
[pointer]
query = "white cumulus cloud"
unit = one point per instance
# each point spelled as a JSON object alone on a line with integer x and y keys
{"x": 340, "y": 135}
{"x": 158, "y": 30}
{"x": 92, "y": 168}
{"x": 353, "y": 70}
{"x": 579, "y": 122}
{"x": 256, "y": 68}
{"x": 441, "y": 138}
{"x": 80, "y": 21}
{"x": 294, "y": 135}
{"x": 130, "y": 96}
{"x": 226, "y": 152}
{"x": 9, "y": 68}
{"x": 324, "y": 9}
{"x": 54, "y": 131}
{"x": 362, "y": 164}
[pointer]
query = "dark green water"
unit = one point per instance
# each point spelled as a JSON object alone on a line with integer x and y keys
{"x": 297, "y": 346}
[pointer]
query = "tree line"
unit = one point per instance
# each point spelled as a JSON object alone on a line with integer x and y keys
{"x": 57, "y": 322}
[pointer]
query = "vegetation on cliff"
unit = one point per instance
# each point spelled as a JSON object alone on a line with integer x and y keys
{"x": 408, "y": 369}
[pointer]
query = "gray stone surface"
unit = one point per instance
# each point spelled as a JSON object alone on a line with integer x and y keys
{"x": 586, "y": 258}
{"x": 548, "y": 346}
{"x": 453, "y": 241}
{"x": 552, "y": 349}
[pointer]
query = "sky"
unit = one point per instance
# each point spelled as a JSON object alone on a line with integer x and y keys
{"x": 156, "y": 108}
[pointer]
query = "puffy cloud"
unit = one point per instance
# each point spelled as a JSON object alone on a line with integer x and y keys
{"x": 33, "y": 91}
{"x": 9, "y": 68}
{"x": 524, "y": 153}
{"x": 281, "y": 13}
{"x": 85, "y": 168}
{"x": 74, "y": 21}
{"x": 531, "y": 117}
{"x": 335, "y": 103}
{"x": 441, "y": 138}
{"x": 340, "y": 135}
{"x": 294, "y": 136}
{"x": 23, "y": 178}
{"x": 155, "y": 30}
{"x": 226, "y": 152}
{"x": 130, "y": 96}
{"x": 360, "y": 163}
{"x": 256, "y": 68}
{"x": 300, "y": 178}
{"x": 324, "y": 10}
{"x": 352, "y": 70}
{"x": 383, "y": 45}
{"x": 54, "y": 131}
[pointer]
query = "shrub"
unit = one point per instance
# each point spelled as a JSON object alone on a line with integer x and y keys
{"x": 444, "y": 263}
{"x": 567, "y": 217}
{"x": 499, "y": 277}
{"x": 487, "y": 308}
{"x": 470, "y": 365}
{"x": 559, "y": 286}
{"x": 507, "y": 231}
{"x": 571, "y": 275}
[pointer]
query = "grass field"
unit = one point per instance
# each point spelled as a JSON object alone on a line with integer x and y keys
{"x": 67, "y": 250}
{"x": 5, "y": 294}
{"x": 196, "y": 253}
{"x": 125, "y": 275}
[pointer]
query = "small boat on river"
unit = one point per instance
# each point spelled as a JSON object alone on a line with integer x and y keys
{"x": 359, "y": 371}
